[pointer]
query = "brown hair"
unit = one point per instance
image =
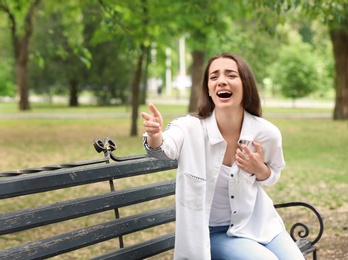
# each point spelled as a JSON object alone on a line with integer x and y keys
{"x": 251, "y": 100}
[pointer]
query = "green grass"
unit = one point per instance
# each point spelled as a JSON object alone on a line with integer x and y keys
{"x": 315, "y": 151}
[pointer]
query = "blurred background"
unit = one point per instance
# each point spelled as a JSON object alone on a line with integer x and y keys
{"x": 72, "y": 71}
{"x": 122, "y": 52}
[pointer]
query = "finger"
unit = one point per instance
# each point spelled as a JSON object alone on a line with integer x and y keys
{"x": 146, "y": 116}
{"x": 258, "y": 147}
{"x": 151, "y": 127}
{"x": 154, "y": 110}
{"x": 238, "y": 158}
{"x": 240, "y": 162}
{"x": 241, "y": 156}
{"x": 239, "y": 152}
{"x": 152, "y": 131}
{"x": 150, "y": 123}
{"x": 246, "y": 149}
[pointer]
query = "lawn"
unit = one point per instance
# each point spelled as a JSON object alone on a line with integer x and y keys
{"x": 315, "y": 151}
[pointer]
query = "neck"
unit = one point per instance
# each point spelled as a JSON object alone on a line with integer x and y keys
{"x": 229, "y": 122}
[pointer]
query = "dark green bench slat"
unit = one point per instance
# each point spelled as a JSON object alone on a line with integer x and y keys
{"x": 142, "y": 250}
{"x": 46, "y": 181}
{"x": 69, "y": 241}
{"x": 29, "y": 218}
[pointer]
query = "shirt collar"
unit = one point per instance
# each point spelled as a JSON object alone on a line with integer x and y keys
{"x": 213, "y": 129}
{"x": 247, "y": 127}
{"x": 214, "y": 132}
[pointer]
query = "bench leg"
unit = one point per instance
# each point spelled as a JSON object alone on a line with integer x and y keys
{"x": 315, "y": 254}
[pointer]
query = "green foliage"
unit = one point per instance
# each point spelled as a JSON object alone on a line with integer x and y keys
{"x": 301, "y": 68}
{"x": 7, "y": 79}
{"x": 295, "y": 71}
{"x": 7, "y": 86}
{"x": 17, "y": 27}
{"x": 82, "y": 58}
{"x": 322, "y": 49}
{"x": 19, "y": 10}
{"x": 96, "y": 42}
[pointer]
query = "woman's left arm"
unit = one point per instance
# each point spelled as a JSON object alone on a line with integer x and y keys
{"x": 266, "y": 165}
{"x": 252, "y": 162}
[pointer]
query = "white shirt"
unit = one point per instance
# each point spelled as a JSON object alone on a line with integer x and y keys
{"x": 199, "y": 147}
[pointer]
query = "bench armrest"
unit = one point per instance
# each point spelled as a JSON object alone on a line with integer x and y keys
{"x": 302, "y": 229}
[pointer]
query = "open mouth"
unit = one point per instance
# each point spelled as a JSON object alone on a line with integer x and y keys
{"x": 224, "y": 94}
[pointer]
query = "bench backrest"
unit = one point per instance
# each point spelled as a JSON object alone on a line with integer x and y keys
{"x": 22, "y": 220}
{"x": 105, "y": 187}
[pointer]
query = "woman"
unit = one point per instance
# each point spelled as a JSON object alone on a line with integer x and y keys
{"x": 225, "y": 154}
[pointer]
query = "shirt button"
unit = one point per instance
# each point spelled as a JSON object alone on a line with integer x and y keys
{"x": 232, "y": 175}
{"x": 234, "y": 212}
{"x": 231, "y": 225}
{"x": 232, "y": 197}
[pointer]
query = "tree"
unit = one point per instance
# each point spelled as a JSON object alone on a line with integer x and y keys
{"x": 71, "y": 45}
{"x": 140, "y": 23}
{"x": 339, "y": 38}
{"x": 67, "y": 61}
{"x": 20, "y": 22}
{"x": 7, "y": 80}
{"x": 220, "y": 26}
{"x": 127, "y": 20}
{"x": 295, "y": 71}
{"x": 197, "y": 20}
{"x": 68, "y": 44}
{"x": 110, "y": 71}
{"x": 334, "y": 14}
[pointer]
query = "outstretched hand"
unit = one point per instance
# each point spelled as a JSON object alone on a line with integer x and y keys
{"x": 252, "y": 162}
{"x": 153, "y": 122}
{"x": 153, "y": 126}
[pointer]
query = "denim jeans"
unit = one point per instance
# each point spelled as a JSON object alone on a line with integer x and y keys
{"x": 224, "y": 247}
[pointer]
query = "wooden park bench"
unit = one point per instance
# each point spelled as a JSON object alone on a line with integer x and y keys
{"x": 151, "y": 226}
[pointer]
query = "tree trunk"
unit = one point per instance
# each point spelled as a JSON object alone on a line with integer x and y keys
{"x": 74, "y": 100}
{"x": 136, "y": 91}
{"x": 21, "y": 75}
{"x": 21, "y": 52}
{"x": 197, "y": 75}
{"x": 145, "y": 78}
{"x": 339, "y": 38}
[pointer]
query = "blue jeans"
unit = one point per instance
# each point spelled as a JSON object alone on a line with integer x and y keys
{"x": 224, "y": 247}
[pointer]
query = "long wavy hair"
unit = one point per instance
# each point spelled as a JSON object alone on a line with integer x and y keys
{"x": 251, "y": 99}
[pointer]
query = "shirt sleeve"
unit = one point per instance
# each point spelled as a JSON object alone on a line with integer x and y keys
{"x": 273, "y": 156}
{"x": 154, "y": 152}
{"x": 173, "y": 138}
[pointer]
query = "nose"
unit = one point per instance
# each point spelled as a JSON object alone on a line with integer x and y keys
{"x": 221, "y": 80}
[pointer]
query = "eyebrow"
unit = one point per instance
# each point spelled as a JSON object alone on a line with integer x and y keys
{"x": 227, "y": 70}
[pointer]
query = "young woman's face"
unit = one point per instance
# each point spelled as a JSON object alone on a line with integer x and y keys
{"x": 224, "y": 83}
